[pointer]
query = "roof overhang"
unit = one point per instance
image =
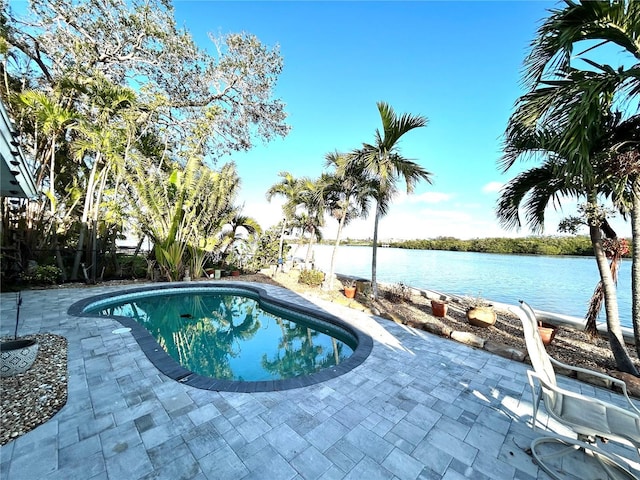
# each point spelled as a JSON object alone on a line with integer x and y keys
{"x": 15, "y": 177}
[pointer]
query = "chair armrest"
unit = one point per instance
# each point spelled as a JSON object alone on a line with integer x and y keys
{"x": 616, "y": 381}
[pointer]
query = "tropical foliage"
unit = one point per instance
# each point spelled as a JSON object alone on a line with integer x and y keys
{"x": 384, "y": 164}
{"x": 565, "y": 245}
{"x": 125, "y": 118}
{"x": 574, "y": 119}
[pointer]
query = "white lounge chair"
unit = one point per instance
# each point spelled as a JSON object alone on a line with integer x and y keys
{"x": 591, "y": 419}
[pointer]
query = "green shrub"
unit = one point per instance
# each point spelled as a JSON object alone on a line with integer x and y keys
{"x": 311, "y": 277}
{"x": 42, "y": 274}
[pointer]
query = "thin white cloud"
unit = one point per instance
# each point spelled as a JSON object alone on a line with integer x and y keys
{"x": 492, "y": 187}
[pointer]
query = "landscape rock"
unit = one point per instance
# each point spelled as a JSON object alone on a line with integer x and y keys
{"x": 468, "y": 339}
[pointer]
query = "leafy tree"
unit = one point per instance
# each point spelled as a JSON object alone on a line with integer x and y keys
{"x": 226, "y": 96}
{"x": 86, "y": 56}
{"x": 383, "y": 162}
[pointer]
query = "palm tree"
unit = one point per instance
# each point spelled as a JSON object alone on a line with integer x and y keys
{"x": 289, "y": 188}
{"x": 232, "y": 231}
{"x": 53, "y": 119}
{"x": 383, "y": 162}
{"x": 552, "y": 55}
{"x": 535, "y": 188}
{"x": 604, "y": 22}
{"x": 348, "y": 191}
{"x": 311, "y": 197}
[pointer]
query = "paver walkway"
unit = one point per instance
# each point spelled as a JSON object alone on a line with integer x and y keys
{"x": 419, "y": 407}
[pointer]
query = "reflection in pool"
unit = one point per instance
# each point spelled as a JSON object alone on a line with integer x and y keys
{"x": 232, "y": 337}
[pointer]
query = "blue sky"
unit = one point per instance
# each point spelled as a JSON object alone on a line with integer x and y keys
{"x": 457, "y": 63}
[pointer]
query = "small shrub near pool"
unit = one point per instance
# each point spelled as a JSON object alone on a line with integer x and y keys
{"x": 313, "y": 278}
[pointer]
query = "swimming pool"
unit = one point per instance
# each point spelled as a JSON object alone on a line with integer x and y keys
{"x": 232, "y": 336}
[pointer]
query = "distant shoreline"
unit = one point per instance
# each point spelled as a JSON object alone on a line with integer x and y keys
{"x": 548, "y": 245}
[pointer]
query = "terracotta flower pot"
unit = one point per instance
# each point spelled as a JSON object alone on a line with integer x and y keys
{"x": 439, "y": 308}
{"x": 350, "y": 292}
{"x": 547, "y": 332}
{"x": 235, "y": 273}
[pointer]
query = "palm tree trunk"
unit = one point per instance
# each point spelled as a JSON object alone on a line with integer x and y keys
{"x": 616, "y": 340}
{"x": 85, "y": 218}
{"x": 335, "y": 249}
{"x": 374, "y": 255}
{"x": 312, "y": 237}
{"x": 280, "y": 247}
{"x": 635, "y": 265}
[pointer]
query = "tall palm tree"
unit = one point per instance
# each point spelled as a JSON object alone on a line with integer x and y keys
{"x": 53, "y": 119}
{"x": 553, "y": 79}
{"x": 348, "y": 191}
{"x": 383, "y": 162}
{"x": 312, "y": 200}
{"x": 535, "y": 188}
{"x": 289, "y": 188}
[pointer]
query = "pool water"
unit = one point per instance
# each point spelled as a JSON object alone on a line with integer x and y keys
{"x": 234, "y": 337}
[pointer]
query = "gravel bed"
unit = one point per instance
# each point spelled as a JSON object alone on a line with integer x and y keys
{"x": 33, "y": 397}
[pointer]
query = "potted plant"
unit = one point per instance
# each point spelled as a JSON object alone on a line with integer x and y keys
{"x": 480, "y": 313}
{"x": 17, "y": 355}
{"x": 439, "y": 308}
{"x": 547, "y": 332}
{"x": 349, "y": 288}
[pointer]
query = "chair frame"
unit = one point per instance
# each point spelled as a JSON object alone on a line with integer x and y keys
{"x": 543, "y": 385}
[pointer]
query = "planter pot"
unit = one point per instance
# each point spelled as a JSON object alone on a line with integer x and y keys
{"x": 547, "y": 333}
{"x": 481, "y": 316}
{"x": 350, "y": 292}
{"x": 17, "y": 356}
{"x": 235, "y": 273}
{"x": 439, "y": 308}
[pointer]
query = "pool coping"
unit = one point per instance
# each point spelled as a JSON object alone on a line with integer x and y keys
{"x": 172, "y": 369}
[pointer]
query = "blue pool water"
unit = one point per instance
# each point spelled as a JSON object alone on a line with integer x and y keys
{"x": 233, "y": 336}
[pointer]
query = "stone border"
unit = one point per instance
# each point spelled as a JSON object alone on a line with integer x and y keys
{"x": 168, "y": 366}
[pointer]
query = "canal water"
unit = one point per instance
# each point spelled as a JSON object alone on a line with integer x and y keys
{"x": 556, "y": 284}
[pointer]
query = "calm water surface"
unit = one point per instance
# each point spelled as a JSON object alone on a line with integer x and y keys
{"x": 552, "y": 283}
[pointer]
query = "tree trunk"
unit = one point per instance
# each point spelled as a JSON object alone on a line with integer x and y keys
{"x": 635, "y": 265}
{"x": 616, "y": 340}
{"x": 312, "y": 237}
{"x": 85, "y": 218}
{"x": 94, "y": 248}
{"x": 58, "y": 253}
{"x": 335, "y": 249}
{"x": 284, "y": 224}
{"x": 374, "y": 255}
